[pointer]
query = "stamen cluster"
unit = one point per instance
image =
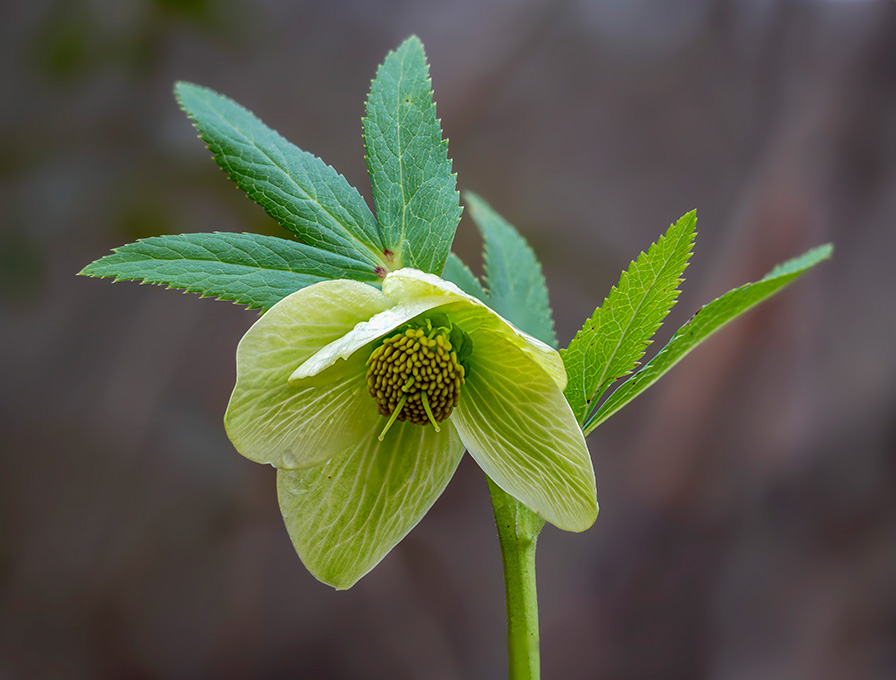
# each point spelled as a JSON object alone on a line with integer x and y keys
{"x": 415, "y": 376}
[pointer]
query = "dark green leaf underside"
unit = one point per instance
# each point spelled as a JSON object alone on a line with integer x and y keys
{"x": 516, "y": 285}
{"x": 460, "y": 275}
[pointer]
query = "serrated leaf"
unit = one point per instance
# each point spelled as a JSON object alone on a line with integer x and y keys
{"x": 414, "y": 190}
{"x": 249, "y": 269}
{"x": 614, "y": 339}
{"x": 301, "y": 192}
{"x": 460, "y": 275}
{"x": 704, "y": 323}
{"x": 516, "y": 285}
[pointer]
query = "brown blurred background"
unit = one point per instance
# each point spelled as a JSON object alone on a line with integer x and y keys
{"x": 748, "y": 522}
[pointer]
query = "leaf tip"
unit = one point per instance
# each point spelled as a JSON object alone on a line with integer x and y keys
{"x": 183, "y": 89}
{"x": 412, "y": 41}
{"x": 471, "y": 198}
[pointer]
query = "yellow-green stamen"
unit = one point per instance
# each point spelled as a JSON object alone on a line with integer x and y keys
{"x": 429, "y": 414}
{"x": 393, "y": 417}
{"x": 415, "y": 376}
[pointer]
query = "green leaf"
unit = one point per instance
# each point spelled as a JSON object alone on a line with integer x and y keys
{"x": 414, "y": 190}
{"x": 248, "y": 269}
{"x": 301, "y": 192}
{"x": 460, "y": 275}
{"x": 613, "y": 340}
{"x": 516, "y": 286}
{"x": 704, "y": 323}
{"x": 346, "y": 515}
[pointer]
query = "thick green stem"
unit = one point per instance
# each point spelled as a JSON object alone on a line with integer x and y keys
{"x": 518, "y": 529}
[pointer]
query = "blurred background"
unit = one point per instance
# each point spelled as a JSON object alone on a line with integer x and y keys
{"x": 748, "y": 513}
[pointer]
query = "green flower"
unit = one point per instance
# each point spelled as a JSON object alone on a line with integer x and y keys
{"x": 365, "y": 400}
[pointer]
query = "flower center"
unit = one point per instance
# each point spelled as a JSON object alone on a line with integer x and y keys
{"x": 415, "y": 375}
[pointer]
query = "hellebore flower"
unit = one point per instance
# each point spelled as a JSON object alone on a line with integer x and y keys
{"x": 365, "y": 400}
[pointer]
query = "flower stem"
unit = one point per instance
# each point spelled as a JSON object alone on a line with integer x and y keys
{"x": 518, "y": 529}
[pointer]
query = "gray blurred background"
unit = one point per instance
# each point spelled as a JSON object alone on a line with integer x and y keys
{"x": 748, "y": 514}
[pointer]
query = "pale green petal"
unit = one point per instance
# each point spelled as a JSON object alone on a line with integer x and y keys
{"x": 270, "y": 421}
{"x": 469, "y": 313}
{"x": 479, "y": 317}
{"x": 516, "y": 423}
{"x": 409, "y": 284}
{"x": 363, "y": 334}
{"x": 345, "y": 516}
{"x": 414, "y": 292}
